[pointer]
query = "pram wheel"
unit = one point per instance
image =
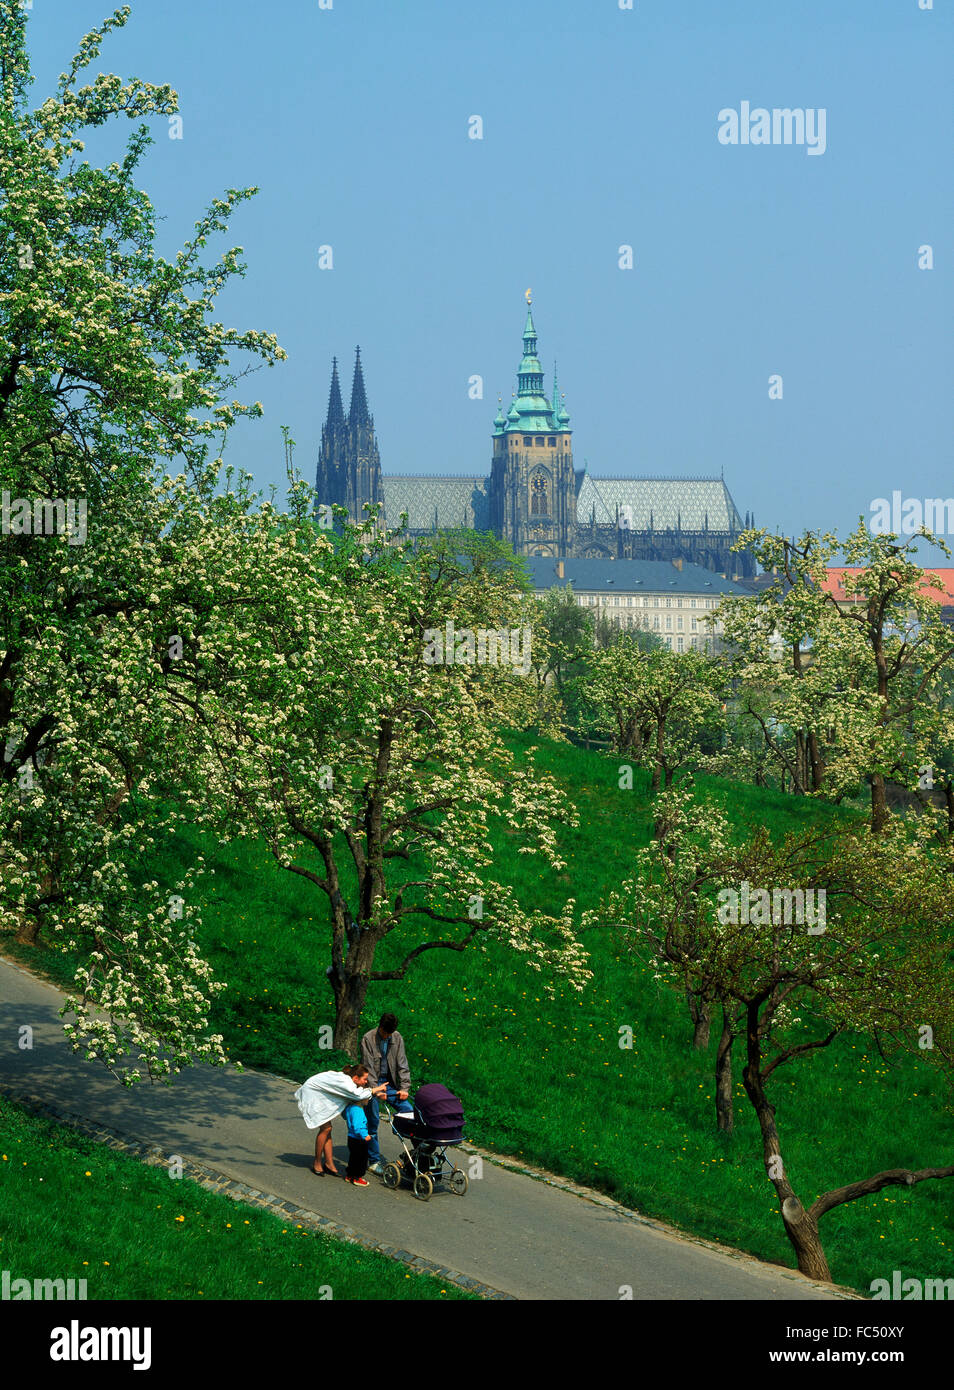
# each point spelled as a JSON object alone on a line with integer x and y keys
{"x": 423, "y": 1186}
{"x": 391, "y": 1176}
{"x": 459, "y": 1182}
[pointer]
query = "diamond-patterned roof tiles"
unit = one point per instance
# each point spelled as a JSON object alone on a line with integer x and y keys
{"x": 444, "y": 502}
{"x": 691, "y": 502}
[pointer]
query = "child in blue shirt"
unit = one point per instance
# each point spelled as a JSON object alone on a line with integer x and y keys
{"x": 358, "y": 1141}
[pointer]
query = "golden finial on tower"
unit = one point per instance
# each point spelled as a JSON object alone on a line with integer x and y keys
{"x": 529, "y": 300}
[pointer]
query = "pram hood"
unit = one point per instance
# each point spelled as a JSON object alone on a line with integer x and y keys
{"x": 438, "y": 1114}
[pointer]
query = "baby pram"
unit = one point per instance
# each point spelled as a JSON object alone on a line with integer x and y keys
{"x": 436, "y": 1125}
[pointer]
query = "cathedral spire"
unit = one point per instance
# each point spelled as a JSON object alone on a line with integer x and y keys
{"x": 349, "y": 464}
{"x": 335, "y": 409}
{"x": 358, "y": 414}
{"x": 530, "y": 386}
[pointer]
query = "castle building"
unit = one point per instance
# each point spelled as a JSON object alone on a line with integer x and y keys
{"x": 677, "y": 602}
{"x": 534, "y": 496}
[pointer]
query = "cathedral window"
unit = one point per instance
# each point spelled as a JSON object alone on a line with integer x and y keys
{"x": 527, "y": 440}
{"x": 539, "y": 496}
{"x": 540, "y": 439}
{"x": 656, "y": 622}
{"x": 679, "y": 643}
{"x": 668, "y": 602}
{"x": 551, "y": 442}
{"x": 669, "y": 624}
{"x": 679, "y": 623}
{"x": 694, "y": 625}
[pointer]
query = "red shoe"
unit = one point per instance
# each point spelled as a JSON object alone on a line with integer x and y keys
{"x": 358, "y": 1182}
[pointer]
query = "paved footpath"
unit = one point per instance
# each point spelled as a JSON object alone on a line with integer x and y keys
{"x": 522, "y": 1236}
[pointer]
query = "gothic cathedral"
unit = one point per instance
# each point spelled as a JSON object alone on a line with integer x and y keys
{"x": 534, "y": 497}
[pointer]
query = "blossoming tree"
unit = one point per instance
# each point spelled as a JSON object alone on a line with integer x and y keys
{"x": 876, "y": 964}
{"x": 858, "y": 678}
{"x": 361, "y": 734}
{"x": 111, "y": 371}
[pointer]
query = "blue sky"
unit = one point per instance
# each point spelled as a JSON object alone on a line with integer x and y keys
{"x": 600, "y": 128}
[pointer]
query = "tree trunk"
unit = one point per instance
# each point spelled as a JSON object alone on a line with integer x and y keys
{"x": 28, "y": 930}
{"x": 350, "y": 994}
{"x": 801, "y": 760}
{"x": 349, "y": 983}
{"x": 802, "y": 1230}
{"x": 800, "y": 1227}
{"x": 879, "y": 804}
{"x": 699, "y": 1013}
{"x": 660, "y": 745}
{"x": 725, "y": 1117}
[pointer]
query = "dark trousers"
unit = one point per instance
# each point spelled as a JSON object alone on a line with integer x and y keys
{"x": 357, "y": 1158}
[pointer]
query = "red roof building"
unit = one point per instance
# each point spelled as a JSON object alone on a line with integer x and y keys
{"x": 835, "y": 584}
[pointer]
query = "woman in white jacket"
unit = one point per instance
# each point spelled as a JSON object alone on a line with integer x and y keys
{"x": 324, "y": 1096}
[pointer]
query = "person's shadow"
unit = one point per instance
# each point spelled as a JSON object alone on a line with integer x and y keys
{"x": 298, "y": 1160}
{"x": 305, "y": 1160}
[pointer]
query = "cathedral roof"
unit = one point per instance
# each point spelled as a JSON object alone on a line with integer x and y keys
{"x": 445, "y": 502}
{"x": 694, "y": 504}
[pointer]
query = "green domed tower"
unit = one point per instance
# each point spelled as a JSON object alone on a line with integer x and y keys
{"x": 533, "y": 487}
